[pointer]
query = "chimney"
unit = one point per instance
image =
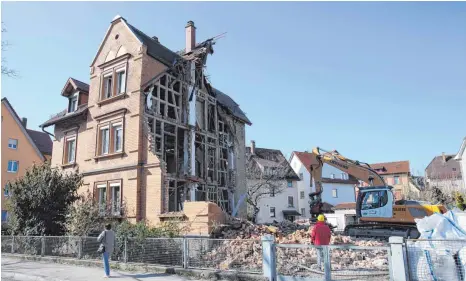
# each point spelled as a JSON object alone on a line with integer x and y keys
{"x": 190, "y": 36}
{"x": 253, "y": 147}
{"x": 25, "y": 122}
{"x": 444, "y": 157}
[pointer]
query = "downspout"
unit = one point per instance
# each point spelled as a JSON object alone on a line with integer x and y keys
{"x": 50, "y": 134}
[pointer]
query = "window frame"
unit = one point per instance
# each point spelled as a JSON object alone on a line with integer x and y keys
{"x": 334, "y": 193}
{"x": 120, "y": 121}
{"x": 301, "y": 176}
{"x": 396, "y": 180}
{"x": 292, "y": 202}
{"x": 69, "y": 138}
{"x": 289, "y": 183}
{"x": 112, "y": 72}
{"x": 6, "y": 216}
{"x": 17, "y": 166}
{"x": 302, "y": 195}
{"x": 332, "y": 176}
{"x": 75, "y": 96}
{"x": 11, "y": 147}
{"x": 303, "y": 212}
{"x": 6, "y": 190}
{"x": 272, "y": 212}
{"x": 108, "y": 203}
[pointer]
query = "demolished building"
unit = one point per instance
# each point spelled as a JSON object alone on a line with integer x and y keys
{"x": 150, "y": 132}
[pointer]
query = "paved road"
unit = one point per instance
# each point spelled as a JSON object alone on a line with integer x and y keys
{"x": 27, "y": 270}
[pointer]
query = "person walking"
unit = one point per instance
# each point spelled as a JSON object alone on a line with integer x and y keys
{"x": 320, "y": 236}
{"x": 107, "y": 245}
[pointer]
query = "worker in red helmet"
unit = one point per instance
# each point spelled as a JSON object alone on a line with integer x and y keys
{"x": 320, "y": 236}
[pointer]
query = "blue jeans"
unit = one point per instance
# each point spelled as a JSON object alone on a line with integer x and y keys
{"x": 106, "y": 264}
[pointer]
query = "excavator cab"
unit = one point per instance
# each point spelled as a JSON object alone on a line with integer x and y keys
{"x": 375, "y": 202}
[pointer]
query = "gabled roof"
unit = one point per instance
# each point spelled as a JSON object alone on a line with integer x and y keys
{"x": 271, "y": 158}
{"x": 440, "y": 169}
{"x": 76, "y": 84}
{"x": 398, "y": 167}
{"x": 460, "y": 154}
{"x": 40, "y": 141}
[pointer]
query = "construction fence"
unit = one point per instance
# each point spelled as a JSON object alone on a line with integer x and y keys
{"x": 197, "y": 253}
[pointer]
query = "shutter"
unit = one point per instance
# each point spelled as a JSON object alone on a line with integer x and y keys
{"x": 65, "y": 154}
{"x": 114, "y": 88}
{"x": 95, "y": 193}
{"x": 111, "y": 134}
{"x": 99, "y": 141}
{"x": 102, "y": 87}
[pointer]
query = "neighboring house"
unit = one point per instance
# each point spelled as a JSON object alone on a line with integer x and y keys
{"x": 21, "y": 148}
{"x": 398, "y": 175}
{"x": 444, "y": 172}
{"x": 149, "y": 132}
{"x": 338, "y": 186}
{"x": 461, "y": 158}
{"x": 270, "y": 173}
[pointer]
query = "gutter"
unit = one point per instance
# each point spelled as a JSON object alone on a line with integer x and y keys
{"x": 50, "y": 134}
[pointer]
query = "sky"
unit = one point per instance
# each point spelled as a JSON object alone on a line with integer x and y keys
{"x": 377, "y": 81}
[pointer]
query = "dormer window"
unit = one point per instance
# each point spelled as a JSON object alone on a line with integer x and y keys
{"x": 73, "y": 104}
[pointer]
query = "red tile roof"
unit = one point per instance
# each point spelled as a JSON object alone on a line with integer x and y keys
{"x": 399, "y": 167}
{"x": 342, "y": 206}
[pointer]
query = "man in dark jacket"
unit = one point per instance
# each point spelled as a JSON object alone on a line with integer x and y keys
{"x": 320, "y": 236}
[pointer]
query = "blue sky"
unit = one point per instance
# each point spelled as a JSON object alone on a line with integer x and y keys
{"x": 377, "y": 81}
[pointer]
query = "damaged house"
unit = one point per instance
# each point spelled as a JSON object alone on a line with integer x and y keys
{"x": 151, "y": 136}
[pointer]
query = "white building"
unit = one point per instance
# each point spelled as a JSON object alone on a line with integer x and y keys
{"x": 268, "y": 169}
{"x": 337, "y": 186}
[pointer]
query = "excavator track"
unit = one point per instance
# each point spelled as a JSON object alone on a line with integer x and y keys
{"x": 382, "y": 230}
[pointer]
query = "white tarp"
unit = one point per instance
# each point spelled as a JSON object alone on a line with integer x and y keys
{"x": 435, "y": 259}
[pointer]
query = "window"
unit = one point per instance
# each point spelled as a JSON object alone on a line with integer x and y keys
{"x": 73, "y": 104}
{"x": 118, "y": 138}
{"x": 332, "y": 176}
{"x": 301, "y": 195}
{"x": 272, "y": 192}
{"x": 301, "y": 176}
{"x": 334, "y": 193}
{"x": 108, "y": 87}
{"x": 105, "y": 138}
{"x": 110, "y": 137}
{"x": 12, "y": 166}
{"x": 303, "y": 212}
{"x": 290, "y": 184}
{"x": 374, "y": 199}
{"x": 396, "y": 180}
{"x": 102, "y": 197}
{"x": 290, "y": 201}
{"x": 70, "y": 150}
{"x": 121, "y": 81}
{"x": 113, "y": 82}
{"x": 344, "y": 176}
{"x": 6, "y": 191}
{"x": 272, "y": 212}
{"x": 4, "y": 216}
{"x": 12, "y": 143}
{"x": 115, "y": 187}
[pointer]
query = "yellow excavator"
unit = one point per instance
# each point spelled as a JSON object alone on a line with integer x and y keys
{"x": 377, "y": 212}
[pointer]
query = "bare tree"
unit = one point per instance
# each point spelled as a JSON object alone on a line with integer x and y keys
{"x": 262, "y": 182}
{"x": 5, "y": 69}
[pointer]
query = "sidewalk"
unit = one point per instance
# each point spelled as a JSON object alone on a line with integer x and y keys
{"x": 15, "y": 269}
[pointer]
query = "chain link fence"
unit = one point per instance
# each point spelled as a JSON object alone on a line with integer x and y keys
{"x": 200, "y": 253}
{"x": 439, "y": 260}
{"x": 336, "y": 262}
{"x": 225, "y": 254}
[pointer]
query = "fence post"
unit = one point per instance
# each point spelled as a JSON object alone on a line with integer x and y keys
{"x": 12, "y": 244}
{"x": 42, "y": 249}
{"x": 185, "y": 253}
{"x": 80, "y": 247}
{"x": 268, "y": 257}
{"x": 327, "y": 265}
{"x": 397, "y": 259}
{"x": 125, "y": 253}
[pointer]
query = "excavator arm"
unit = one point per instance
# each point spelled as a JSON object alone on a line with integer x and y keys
{"x": 361, "y": 171}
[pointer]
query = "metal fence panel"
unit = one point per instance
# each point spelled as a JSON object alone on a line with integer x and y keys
{"x": 27, "y": 245}
{"x": 299, "y": 260}
{"x": 7, "y": 243}
{"x": 355, "y": 263}
{"x": 163, "y": 251}
{"x": 61, "y": 246}
{"x": 439, "y": 260}
{"x": 225, "y": 254}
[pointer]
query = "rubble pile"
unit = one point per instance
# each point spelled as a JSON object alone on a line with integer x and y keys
{"x": 244, "y": 250}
